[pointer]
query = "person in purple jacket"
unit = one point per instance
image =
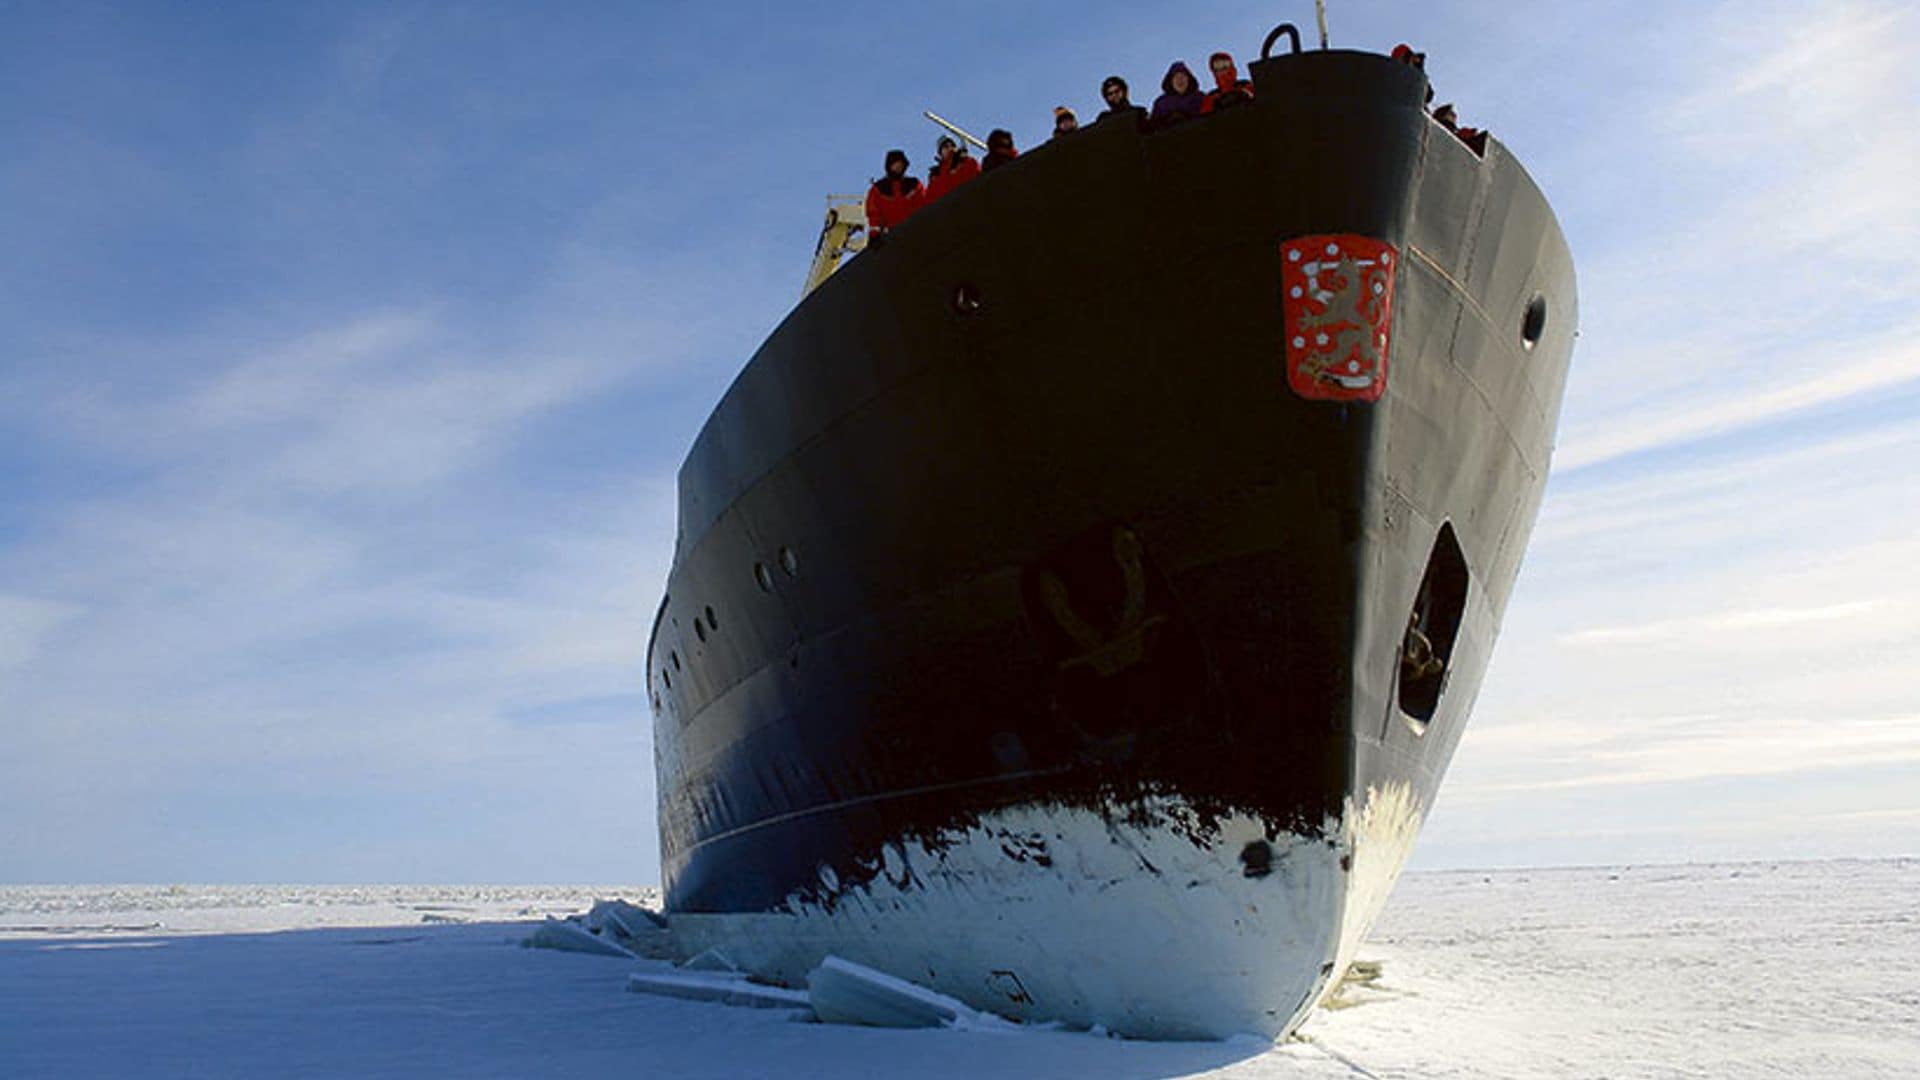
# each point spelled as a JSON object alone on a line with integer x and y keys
{"x": 1181, "y": 99}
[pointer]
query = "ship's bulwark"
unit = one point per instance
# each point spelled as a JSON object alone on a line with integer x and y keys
{"x": 1049, "y": 652}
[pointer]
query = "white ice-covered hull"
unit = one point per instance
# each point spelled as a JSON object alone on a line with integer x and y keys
{"x": 1145, "y": 923}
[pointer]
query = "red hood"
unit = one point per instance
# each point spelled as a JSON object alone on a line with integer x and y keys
{"x": 1225, "y": 80}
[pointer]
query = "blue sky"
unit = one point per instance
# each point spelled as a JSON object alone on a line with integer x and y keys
{"x": 347, "y": 353}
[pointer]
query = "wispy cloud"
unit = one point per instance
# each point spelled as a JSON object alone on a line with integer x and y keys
{"x": 24, "y": 625}
{"x": 1808, "y": 94}
{"x": 300, "y": 378}
{"x": 1626, "y": 753}
{"x": 1882, "y": 364}
{"x": 1787, "y": 248}
{"x": 1897, "y": 814}
{"x": 1709, "y": 627}
{"x": 386, "y": 400}
{"x": 315, "y": 577}
{"x": 326, "y": 402}
{"x": 1841, "y": 472}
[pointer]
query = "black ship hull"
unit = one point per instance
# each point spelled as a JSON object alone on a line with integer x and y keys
{"x": 1031, "y": 636}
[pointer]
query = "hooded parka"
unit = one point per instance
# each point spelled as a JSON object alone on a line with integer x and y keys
{"x": 1171, "y": 107}
{"x": 893, "y": 198}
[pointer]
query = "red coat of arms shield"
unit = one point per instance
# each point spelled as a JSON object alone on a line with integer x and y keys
{"x": 1338, "y": 298}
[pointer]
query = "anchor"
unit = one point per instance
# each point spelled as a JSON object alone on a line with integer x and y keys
{"x": 1111, "y": 650}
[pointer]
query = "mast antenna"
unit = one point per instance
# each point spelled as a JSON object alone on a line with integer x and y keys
{"x": 1320, "y": 12}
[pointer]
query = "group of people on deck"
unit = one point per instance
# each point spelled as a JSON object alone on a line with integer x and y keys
{"x": 897, "y": 195}
{"x": 1443, "y": 114}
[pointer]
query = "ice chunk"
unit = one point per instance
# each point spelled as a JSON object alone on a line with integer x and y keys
{"x": 624, "y": 919}
{"x": 721, "y": 987}
{"x": 843, "y": 992}
{"x": 611, "y": 928}
{"x": 569, "y": 936}
{"x": 711, "y": 960}
{"x": 633, "y": 928}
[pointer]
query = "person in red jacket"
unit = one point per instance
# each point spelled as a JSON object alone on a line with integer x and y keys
{"x": 1405, "y": 54}
{"x": 892, "y": 199}
{"x": 1475, "y": 138}
{"x": 1229, "y": 88}
{"x": 954, "y": 168}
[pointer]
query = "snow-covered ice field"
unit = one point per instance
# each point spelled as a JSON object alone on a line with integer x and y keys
{"x": 1731, "y": 970}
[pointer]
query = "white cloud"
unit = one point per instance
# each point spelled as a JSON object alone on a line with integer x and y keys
{"x": 1667, "y": 751}
{"x": 1809, "y": 95}
{"x": 313, "y": 584}
{"x": 1911, "y": 813}
{"x": 1706, "y": 413}
{"x": 302, "y": 573}
{"x": 1780, "y": 244}
{"x": 1846, "y": 475}
{"x": 380, "y": 402}
{"x": 25, "y": 624}
{"x": 1709, "y": 628}
{"x": 415, "y": 430}
{"x": 1781, "y": 65}
{"x": 331, "y": 555}
{"x": 308, "y": 375}
{"x": 1701, "y": 641}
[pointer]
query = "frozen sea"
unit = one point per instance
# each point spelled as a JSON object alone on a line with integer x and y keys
{"x": 1793, "y": 969}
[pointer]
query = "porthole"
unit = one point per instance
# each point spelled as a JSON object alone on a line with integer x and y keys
{"x": 675, "y": 657}
{"x": 762, "y": 578}
{"x": 700, "y": 630}
{"x": 1534, "y": 323}
{"x": 788, "y": 562}
{"x": 712, "y": 623}
{"x": 666, "y": 678}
